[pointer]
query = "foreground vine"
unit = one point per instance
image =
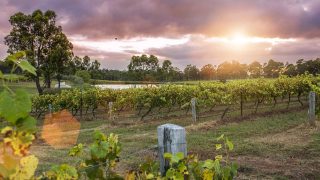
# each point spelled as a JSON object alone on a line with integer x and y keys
{"x": 16, "y": 162}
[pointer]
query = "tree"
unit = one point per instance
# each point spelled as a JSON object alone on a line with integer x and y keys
{"x": 165, "y": 70}
{"x": 272, "y": 68}
{"x": 207, "y": 72}
{"x": 61, "y": 55}
{"x": 143, "y": 63}
{"x": 77, "y": 63}
{"x": 231, "y": 69}
{"x": 191, "y": 72}
{"x": 255, "y": 69}
{"x": 85, "y": 64}
{"x": 143, "y": 66}
{"x": 290, "y": 70}
{"x": 311, "y": 66}
{"x": 85, "y": 75}
{"x": 95, "y": 65}
{"x": 34, "y": 34}
{"x": 94, "y": 70}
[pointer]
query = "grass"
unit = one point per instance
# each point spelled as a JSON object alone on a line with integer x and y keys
{"x": 256, "y": 158}
{"x": 29, "y": 86}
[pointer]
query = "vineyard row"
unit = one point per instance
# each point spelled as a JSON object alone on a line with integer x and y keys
{"x": 209, "y": 95}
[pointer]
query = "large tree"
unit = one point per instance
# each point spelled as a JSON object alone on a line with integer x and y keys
{"x": 143, "y": 67}
{"x": 255, "y": 69}
{"x": 207, "y": 72}
{"x": 231, "y": 69}
{"x": 273, "y": 68}
{"x": 290, "y": 70}
{"x": 191, "y": 72}
{"x": 36, "y": 34}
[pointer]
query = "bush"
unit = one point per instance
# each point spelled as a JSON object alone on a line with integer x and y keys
{"x": 74, "y": 79}
{"x": 52, "y": 91}
{"x": 85, "y": 75}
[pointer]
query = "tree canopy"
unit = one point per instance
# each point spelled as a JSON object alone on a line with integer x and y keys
{"x": 43, "y": 41}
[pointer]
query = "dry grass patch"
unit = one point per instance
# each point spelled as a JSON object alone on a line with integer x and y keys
{"x": 297, "y": 136}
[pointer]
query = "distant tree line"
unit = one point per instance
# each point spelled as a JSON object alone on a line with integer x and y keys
{"x": 148, "y": 68}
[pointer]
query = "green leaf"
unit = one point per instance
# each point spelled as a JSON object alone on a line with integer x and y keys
{"x": 63, "y": 171}
{"x": 14, "y": 106}
{"x": 167, "y": 155}
{"x": 150, "y": 176}
{"x": 99, "y": 136}
{"x": 208, "y": 164}
{"x": 99, "y": 151}
{"x": 217, "y": 166}
{"x": 27, "y": 124}
{"x": 20, "y": 54}
{"x": 180, "y": 155}
{"x": 170, "y": 173}
{"x": 218, "y": 157}
{"x": 76, "y": 150}
{"x": 26, "y": 66}
{"x": 234, "y": 168}
{"x": 93, "y": 171}
{"x": 177, "y": 157}
{"x": 16, "y": 56}
{"x": 226, "y": 173}
{"x": 229, "y": 144}
{"x": 218, "y": 146}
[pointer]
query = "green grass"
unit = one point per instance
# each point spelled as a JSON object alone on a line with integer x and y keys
{"x": 30, "y": 87}
{"x": 240, "y": 132}
{"x": 139, "y": 139}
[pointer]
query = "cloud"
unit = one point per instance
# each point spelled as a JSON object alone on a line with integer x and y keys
{"x": 101, "y": 21}
{"x": 109, "y": 60}
{"x": 166, "y": 18}
{"x": 199, "y": 51}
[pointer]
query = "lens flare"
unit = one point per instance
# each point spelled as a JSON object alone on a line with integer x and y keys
{"x": 60, "y": 129}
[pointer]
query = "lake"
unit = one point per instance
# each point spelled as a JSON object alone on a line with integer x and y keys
{"x": 123, "y": 86}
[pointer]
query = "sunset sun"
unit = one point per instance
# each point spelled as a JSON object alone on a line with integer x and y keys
{"x": 239, "y": 38}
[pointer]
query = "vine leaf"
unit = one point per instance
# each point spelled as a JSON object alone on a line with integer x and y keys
{"x": 230, "y": 145}
{"x": 14, "y": 106}
{"x": 27, "y": 124}
{"x": 99, "y": 151}
{"x": 26, "y": 66}
{"x": 28, "y": 166}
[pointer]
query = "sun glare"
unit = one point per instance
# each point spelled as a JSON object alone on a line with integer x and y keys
{"x": 238, "y": 39}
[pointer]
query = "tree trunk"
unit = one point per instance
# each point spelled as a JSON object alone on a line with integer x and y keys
{"x": 59, "y": 80}
{"x": 48, "y": 81}
{"x": 37, "y": 80}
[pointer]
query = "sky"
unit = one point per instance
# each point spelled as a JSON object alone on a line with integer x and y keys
{"x": 183, "y": 31}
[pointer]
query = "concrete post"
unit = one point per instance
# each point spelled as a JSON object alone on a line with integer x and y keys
{"x": 171, "y": 139}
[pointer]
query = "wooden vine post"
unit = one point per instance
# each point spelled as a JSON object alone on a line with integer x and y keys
{"x": 241, "y": 104}
{"x": 194, "y": 109}
{"x": 171, "y": 139}
{"x": 312, "y": 108}
{"x": 50, "y": 108}
{"x": 110, "y": 106}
